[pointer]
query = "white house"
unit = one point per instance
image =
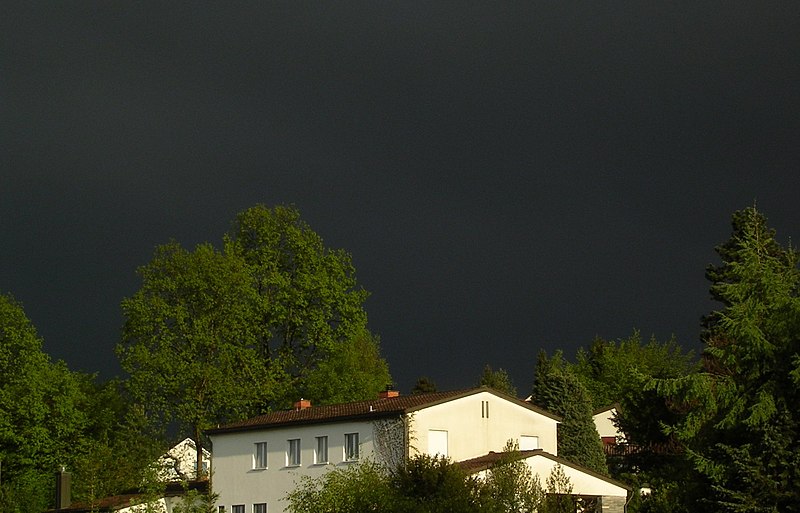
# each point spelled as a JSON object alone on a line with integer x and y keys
{"x": 180, "y": 462}
{"x": 258, "y": 461}
{"x": 604, "y": 422}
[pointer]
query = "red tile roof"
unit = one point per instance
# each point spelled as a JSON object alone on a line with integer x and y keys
{"x": 362, "y": 410}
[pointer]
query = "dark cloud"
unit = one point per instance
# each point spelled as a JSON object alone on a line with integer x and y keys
{"x": 507, "y": 177}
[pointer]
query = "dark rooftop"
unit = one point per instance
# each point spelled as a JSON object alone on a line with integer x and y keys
{"x": 376, "y": 408}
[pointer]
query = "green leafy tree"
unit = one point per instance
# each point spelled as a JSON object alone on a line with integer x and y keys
{"x": 498, "y": 380}
{"x": 559, "y": 498}
{"x": 121, "y": 443}
{"x": 619, "y": 373}
{"x": 353, "y": 371}
{"x": 42, "y": 418}
{"x": 191, "y": 341}
{"x": 512, "y": 486}
{"x": 433, "y": 484}
{"x": 558, "y": 390}
{"x": 217, "y": 335}
{"x": 352, "y": 489}
{"x": 310, "y": 305}
{"x": 741, "y": 423}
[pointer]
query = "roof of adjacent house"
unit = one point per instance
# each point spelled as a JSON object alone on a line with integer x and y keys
{"x": 614, "y": 406}
{"x": 364, "y": 410}
{"x": 487, "y": 461}
{"x": 131, "y": 497}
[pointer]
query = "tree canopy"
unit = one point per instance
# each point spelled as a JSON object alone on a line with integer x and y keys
{"x": 557, "y": 389}
{"x": 741, "y": 423}
{"x": 619, "y": 373}
{"x": 217, "y": 335}
{"x": 498, "y": 380}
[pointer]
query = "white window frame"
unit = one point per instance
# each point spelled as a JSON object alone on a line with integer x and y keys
{"x": 351, "y": 447}
{"x": 293, "y": 452}
{"x": 438, "y": 442}
{"x": 260, "y": 456}
{"x": 528, "y": 439}
{"x": 237, "y": 508}
{"x": 321, "y": 450}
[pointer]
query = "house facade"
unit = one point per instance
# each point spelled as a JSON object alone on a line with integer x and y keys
{"x": 258, "y": 461}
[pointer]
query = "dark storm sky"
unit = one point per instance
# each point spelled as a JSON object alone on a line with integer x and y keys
{"x": 506, "y": 176}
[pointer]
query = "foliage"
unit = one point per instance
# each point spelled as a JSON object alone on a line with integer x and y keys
{"x": 352, "y": 489}
{"x": 214, "y": 336}
{"x": 190, "y": 340}
{"x": 122, "y": 443}
{"x": 195, "y": 501}
{"x": 424, "y": 385}
{"x": 428, "y": 484}
{"x": 559, "y": 497}
{"x": 431, "y": 484}
{"x": 352, "y": 372}
{"x": 51, "y": 417}
{"x": 42, "y": 419}
{"x": 557, "y": 389}
{"x": 498, "y": 380}
{"x": 512, "y": 486}
{"x": 741, "y": 424}
{"x": 310, "y": 307}
{"x": 619, "y": 373}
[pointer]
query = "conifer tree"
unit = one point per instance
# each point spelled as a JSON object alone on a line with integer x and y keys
{"x": 741, "y": 425}
{"x": 558, "y": 390}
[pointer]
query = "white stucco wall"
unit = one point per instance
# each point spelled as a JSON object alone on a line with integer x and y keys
{"x": 180, "y": 462}
{"x": 604, "y": 423}
{"x": 581, "y": 482}
{"x": 473, "y": 433}
{"x": 238, "y": 483}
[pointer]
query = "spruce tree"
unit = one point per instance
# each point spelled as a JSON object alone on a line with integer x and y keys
{"x": 558, "y": 390}
{"x": 741, "y": 425}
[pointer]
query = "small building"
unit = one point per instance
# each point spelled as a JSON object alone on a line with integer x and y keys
{"x": 604, "y": 421}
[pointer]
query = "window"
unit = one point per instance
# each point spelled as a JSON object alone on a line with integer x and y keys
{"x": 260, "y": 507}
{"x": 528, "y": 443}
{"x": 260, "y": 456}
{"x": 437, "y": 442}
{"x": 238, "y": 508}
{"x": 484, "y": 409}
{"x": 351, "y": 446}
{"x": 321, "y": 453}
{"x": 221, "y": 509}
{"x": 293, "y": 453}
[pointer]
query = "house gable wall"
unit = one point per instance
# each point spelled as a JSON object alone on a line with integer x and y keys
{"x": 479, "y": 423}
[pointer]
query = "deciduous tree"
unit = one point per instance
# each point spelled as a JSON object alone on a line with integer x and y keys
{"x": 42, "y": 420}
{"x": 217, "y": 335}
{"x": 191, "y": 341}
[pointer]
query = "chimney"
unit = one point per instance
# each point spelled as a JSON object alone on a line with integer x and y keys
{"x": 302, "y": 404}
{"x": 63, "y": 489}
{"x": 389, "y": 392}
